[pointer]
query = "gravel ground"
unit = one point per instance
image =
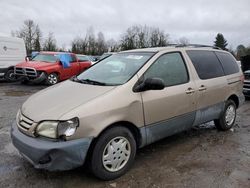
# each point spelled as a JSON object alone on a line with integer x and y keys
{"x": 201, "y": 157}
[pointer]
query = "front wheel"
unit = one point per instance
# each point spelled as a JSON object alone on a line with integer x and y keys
{"x": 52, "y": 79}
{"x": 228, "y": 116}
{"x": 113, "y": 153}
{"x": 9, "y": 76}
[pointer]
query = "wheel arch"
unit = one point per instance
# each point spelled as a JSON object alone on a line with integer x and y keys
{"x": 52, "y": 71}
{"x": 10, "y": 67}
{"x": 234, "y": 98}
{"x": 133, "y": 128}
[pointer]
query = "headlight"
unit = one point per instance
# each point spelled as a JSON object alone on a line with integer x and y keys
{"x": 47, "y": 129}
{"x": 56, "y": 129}
{"x": 68, "y": 128}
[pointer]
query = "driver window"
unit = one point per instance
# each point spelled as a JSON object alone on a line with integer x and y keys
{"x": 170, "y": 68}
{"x": 73, "y": 59}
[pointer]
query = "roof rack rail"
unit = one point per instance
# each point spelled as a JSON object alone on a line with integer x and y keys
{"x": 197, "y": 46}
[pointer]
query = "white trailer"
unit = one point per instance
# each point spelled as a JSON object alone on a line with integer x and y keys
{"x": 12, "y": 51}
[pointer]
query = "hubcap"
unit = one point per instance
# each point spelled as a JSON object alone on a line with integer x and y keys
{"x": 230, "y": 114}
{"x": 116, "y": 154}
{"x": 52, "y": 79}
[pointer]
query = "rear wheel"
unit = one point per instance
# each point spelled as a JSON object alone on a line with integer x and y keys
{"x": 113, "y": 153}
{"x": 9, "y": 76}
{"x": 52, "y": 79}
{"x": 227, "y": 118}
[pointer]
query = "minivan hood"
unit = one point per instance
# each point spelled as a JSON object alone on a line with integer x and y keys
{"x": 51, "y": 103}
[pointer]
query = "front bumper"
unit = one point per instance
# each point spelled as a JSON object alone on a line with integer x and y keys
{"x": 3, "y": 71}
{"x": 34, "y": 79}
{"x": 246, "y": 92}
{"x": 50, "y": 155}
{"x": 246, "y": 88}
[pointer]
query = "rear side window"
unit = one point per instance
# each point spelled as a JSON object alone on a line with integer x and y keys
{"x": 170, "y": 68}
{"x": 206, "y": 64}
{"x": 229, "y": 64}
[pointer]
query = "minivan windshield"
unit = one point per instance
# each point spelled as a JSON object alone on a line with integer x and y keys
{"x": 114, "y": 70}
{"x": 49, "y": 58}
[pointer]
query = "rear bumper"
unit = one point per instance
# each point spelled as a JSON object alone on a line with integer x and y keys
{"x": 49, "y": 155}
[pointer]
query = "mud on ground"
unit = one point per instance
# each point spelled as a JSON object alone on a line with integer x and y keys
{"x": 201, "y": 157}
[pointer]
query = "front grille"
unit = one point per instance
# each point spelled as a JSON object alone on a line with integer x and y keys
{"x": 246, "y": 86}
{"x": 30, "y": 72}
{"x": 247, "y": 76}
{"x": 25, "y": 122}
{"x": 26, "y": 125}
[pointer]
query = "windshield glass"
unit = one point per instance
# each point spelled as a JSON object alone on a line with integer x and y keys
{"x": 50, "y": 58}
{"x": 116, "y": 69}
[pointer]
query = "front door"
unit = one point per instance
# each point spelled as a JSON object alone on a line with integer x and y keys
{"x": 172, "y": 109}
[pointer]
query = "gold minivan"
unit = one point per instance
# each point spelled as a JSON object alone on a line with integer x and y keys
{"x": 124, "y": 102}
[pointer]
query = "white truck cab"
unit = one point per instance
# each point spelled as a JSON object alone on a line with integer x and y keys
{"x": 12, "y": 51}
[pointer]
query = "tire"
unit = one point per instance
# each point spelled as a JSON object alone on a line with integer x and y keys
{"x": 52, "y": 79}
{"x": 121, "y": 156}
{"x": 9, "y": 76}
{"x": 228, "y": 116}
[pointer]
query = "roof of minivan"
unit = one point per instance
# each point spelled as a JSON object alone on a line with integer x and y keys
{"x": 158, "y": 49}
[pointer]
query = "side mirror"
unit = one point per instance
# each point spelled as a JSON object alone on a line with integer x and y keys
{"x": 149, "y": 84}
{"x": 27, "y": 58}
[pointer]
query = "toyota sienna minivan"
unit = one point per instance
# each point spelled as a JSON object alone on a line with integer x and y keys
{"x": 124, "y": 102}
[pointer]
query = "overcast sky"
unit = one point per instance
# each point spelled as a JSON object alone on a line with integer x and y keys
{"x": 197, "y": 20}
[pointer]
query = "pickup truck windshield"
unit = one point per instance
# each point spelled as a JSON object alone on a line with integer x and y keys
{"x": 116, "y": 69}
{"x": 49, "y": 58}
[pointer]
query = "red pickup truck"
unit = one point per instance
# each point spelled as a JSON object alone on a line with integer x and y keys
{"x": 50, "y": 67}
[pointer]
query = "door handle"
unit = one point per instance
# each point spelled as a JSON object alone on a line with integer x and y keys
{"x": 202, "y": 88}
{"x": 190, "y": 90}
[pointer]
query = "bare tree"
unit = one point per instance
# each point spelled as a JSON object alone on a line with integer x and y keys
{"x": 90, "y": 45}
{"x": 90, "y": 39}
{"x": 31, "y": 34}
{"x": 50, "y": 43}
{"x": 79, "y": 46}
{"x": 101, "y": 44}
{"x": 183, "y": 41}
{"x": 37, "y": 39}
{"x": 142, "y": 37}
{"x": 113, "y": 45}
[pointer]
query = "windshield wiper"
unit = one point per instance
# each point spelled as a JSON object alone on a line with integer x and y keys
{"x": 89, "y": 81}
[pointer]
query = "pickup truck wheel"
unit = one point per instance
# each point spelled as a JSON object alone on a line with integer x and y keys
{"x": 52, "y": 79}
{"x": 228, "y": 116}
{"x": 9, "y": 76}
{"x": 113, "y": 153}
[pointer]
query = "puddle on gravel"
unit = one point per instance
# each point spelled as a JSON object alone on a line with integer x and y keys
{"x": 10, "y": 149}
{"x": 5, "y": 169}
{"x": 16, "y": 93}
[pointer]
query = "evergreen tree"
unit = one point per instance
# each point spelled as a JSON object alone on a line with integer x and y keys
{"x": 220, "y": 41}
